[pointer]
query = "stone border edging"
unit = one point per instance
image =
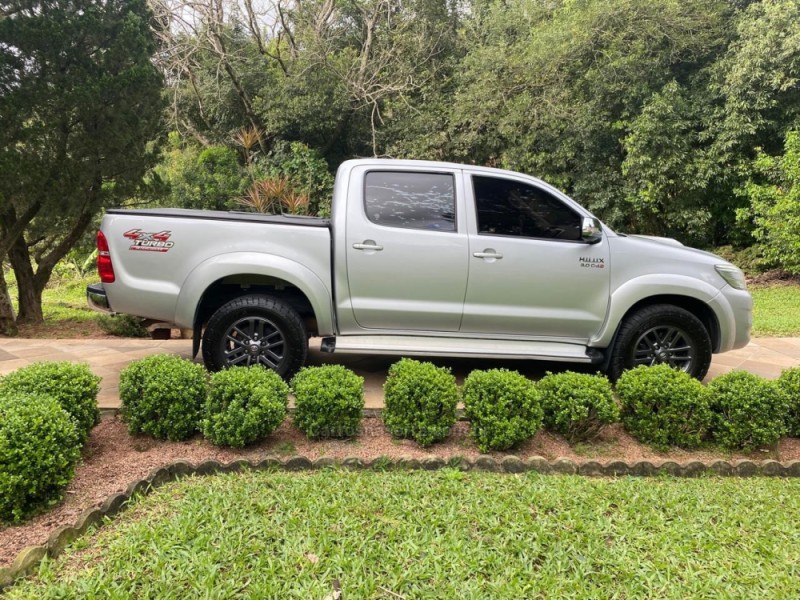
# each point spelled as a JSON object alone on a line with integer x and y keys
{"x": 29, "y": 558}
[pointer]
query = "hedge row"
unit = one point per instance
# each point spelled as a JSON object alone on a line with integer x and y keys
{"x": 47, "y": 410}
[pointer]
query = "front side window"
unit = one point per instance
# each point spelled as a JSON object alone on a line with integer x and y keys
{"x": 507, "y": 207}
{"x": 411, "y": 200}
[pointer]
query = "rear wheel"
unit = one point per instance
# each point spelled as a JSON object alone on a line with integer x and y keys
{"x": 255, "y": 330}
{"x": 661, "y": 333}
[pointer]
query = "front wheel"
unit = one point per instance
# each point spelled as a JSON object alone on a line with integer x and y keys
{"x": 661, "y": 333}
{"x": 255, "y": 330}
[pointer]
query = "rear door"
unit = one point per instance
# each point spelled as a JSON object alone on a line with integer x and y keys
{"x": 530, "y": 274}
{"x": 406, "y": 248}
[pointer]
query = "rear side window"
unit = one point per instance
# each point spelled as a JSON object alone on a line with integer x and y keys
{"x": 508, "y": 207}
{"x": 411, "y": 200}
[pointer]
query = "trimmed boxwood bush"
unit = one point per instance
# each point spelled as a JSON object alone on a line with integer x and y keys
{"x": 789, "y": 385}
{"x": 245, "y": 405}
{"x": 577, "y": 405}
{"x": 503, "y": 407}
{"x": 72, "y": 385}
{"x": 664, "y": 406}
{"x": 749, "y": 411}
{"x": 163, "y": 396}
{"x": 39, "y": 448}
{"x": 329, "y": 401}
{"x": 420, "y": 401}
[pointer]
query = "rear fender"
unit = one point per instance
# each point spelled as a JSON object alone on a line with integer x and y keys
{"x": 253, "y": 263}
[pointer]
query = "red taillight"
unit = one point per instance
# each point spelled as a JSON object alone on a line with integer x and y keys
{"x": 104, "y": 266}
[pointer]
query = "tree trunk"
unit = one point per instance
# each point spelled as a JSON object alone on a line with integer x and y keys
{"x": 30, "y": 298}
{"x": 8, "y": 324}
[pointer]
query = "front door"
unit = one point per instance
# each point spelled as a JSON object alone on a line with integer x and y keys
{"x": 407, "y": 253}
{"x": 530, "y": 274}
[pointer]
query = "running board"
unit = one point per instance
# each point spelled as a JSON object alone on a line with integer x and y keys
{"x": 460, "y": 347}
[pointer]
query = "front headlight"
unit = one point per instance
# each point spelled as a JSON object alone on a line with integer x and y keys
{"x": 733, "y": 276}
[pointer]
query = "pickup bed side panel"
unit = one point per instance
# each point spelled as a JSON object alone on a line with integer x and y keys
{"x": 252, "y": 263}
{"x": 149, "y": 283}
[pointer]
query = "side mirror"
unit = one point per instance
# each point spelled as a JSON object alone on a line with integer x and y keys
{"x": 591, "y": 232}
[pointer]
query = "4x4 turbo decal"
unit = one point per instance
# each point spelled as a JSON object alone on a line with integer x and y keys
{"x": 149, "y": 242}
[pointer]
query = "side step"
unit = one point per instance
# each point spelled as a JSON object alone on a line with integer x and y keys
{"x": 442, "y": 346}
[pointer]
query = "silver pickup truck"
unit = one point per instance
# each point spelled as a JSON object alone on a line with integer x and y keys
{"x": 423, "y": 259}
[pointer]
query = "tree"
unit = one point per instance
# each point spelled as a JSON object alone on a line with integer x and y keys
{"x": 775, "y": 205}
{"x": 80, "y": 106}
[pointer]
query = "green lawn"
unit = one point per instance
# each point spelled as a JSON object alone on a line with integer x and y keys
{"x": 441, "y": 534}
{"x": 776, "y": 310}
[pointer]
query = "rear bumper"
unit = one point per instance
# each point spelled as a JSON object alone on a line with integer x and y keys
{"x": 97, "y": 299}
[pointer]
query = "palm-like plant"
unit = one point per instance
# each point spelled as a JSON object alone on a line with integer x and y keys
{"x": 273, "y": 195}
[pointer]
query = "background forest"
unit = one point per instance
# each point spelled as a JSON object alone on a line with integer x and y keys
{"x": 667, "y": 117}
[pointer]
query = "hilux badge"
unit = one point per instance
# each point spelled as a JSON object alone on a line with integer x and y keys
{"x": 592, "y": 263}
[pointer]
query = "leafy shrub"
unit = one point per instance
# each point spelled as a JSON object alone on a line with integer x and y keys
{"x": 329, "y": 401}
{"x": 72, "y": 385}
{"x": 577, "y": 405}
{"x": 163, "y": 396}
{"x": 244, "y": 405}
{"x": 503, "y": 407}
{"x": 420, "y": 401}
{"x": 39, "y": 448}
{"x": 749, "y": 411}
{"x": 664, "y": 406}
{"x": 122, "y": 325}
{"x": 789, "y": 385}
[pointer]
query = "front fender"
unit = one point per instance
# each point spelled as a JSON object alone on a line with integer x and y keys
{"x": 647, "y": 286}
{"x": 254, "y": 263}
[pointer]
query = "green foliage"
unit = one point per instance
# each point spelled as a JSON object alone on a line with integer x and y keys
{"x": 664, "y": 406}
{"x": 329, "y": 401}
{"x": 209, "y": 178}
{"x": 80, "y": 107}
{"x": 789, "y": 385}
{"x": 72, "y": 385}
{"x": 163, "y": 396}
{"x": 749, "y": 411}
{"x": 577, "y": 405}
{"x": 775, "y": 205}
{"x": 244, "y": 405}
{"x": 504, "y": 408}
{"x": 420, "y": 401}
{"x": 122, "y": 325}
{"x": 39, "y": 448}
{"x": 307, "y": 172}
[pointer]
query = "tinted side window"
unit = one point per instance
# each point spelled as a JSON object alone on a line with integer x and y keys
{"x": 411, "y": 200}
{"x": 506, "y": 207}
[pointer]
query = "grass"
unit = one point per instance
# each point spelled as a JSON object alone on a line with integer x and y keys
{"x": 443, "y": 534}
{"x": 776, "y": 310}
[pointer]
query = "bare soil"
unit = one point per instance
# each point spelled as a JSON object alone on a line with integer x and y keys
{"x": 113, "y": 459}
{"x": 62, "y": 329}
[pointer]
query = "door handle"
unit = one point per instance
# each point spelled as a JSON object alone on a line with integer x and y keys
{"x": 488, "y": 253}
{"x": 368, "y": 245}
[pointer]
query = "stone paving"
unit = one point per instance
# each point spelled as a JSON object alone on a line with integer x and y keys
{"x": 107, "y": 356}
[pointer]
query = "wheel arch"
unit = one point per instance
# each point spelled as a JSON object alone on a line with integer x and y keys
{"x": 692, "y": 294}
{"x": 698, "y": 308}
{"x": 223, "y": 278}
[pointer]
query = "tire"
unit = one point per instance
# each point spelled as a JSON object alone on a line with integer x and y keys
{"x": 661, "y": 333}
{"x": 252, "y": 330}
